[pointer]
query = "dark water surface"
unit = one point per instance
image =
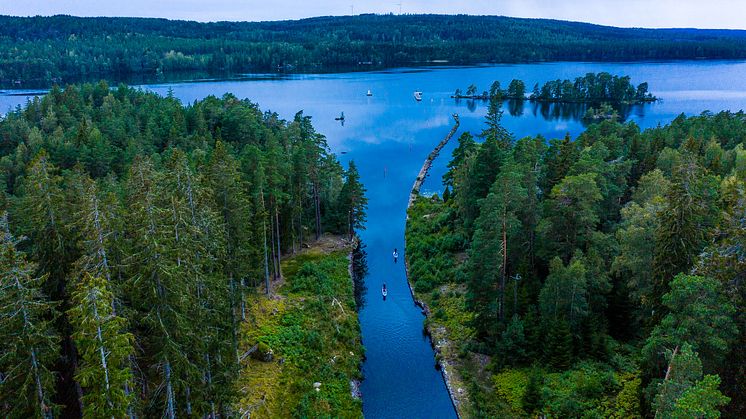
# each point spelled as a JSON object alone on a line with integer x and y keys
{"x": 390, "y": 134}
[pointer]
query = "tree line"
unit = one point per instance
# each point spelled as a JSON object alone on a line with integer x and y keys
{"x": 591, "y": 88}
{"x": 614, "y": 260}
{"x": 133, "y": 230}
{"x": 36, "y": 51}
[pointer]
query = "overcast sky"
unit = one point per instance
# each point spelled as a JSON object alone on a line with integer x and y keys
{"x": 638, "y": 13}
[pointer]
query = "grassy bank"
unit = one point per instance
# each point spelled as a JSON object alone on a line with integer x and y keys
{"x": 307, "y": 340}
{"x": 481, "y": 387}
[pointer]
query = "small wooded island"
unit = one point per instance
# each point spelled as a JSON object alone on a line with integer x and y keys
{"x": 591, "y": 89}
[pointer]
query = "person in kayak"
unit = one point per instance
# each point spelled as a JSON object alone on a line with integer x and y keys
{"x": 396, "y": 255}
{"x": 384, "y": 291}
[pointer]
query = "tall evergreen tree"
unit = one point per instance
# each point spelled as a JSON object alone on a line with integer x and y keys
{"x": 160, "y": 295}
{"x": 684, "y": 392}
{"x": 105, "y": 348}
{"x": 352, "y": 200}
{"x": 29, "y": 347}
{"x": 489, "y": 256}
{"x": 685, "y": 223}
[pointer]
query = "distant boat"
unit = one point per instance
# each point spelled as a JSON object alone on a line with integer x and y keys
{"x": 369, "y": 93}
{"x": 384, "y": 291}
{"x": 417, "y": 95}
{"x": 341, "y": 117}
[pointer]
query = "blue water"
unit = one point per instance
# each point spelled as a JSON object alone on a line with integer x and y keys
{"x": 390, "y": 134}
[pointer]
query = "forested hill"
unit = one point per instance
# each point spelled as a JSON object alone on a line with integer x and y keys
{"x": 42, "y": 50}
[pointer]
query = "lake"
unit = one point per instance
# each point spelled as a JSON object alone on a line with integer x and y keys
{"x": 389, "y": 134}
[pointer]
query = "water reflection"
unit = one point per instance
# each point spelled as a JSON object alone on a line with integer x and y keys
{"x": 359, "y": 271}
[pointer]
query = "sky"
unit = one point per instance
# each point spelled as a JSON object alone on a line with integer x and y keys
{"x": 725, "y": 14}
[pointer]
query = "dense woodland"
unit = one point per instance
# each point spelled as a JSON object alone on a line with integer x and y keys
{"x": 600, "y": 277}
{"x": 135, "y": 231}
{"x": 36, "y": 51}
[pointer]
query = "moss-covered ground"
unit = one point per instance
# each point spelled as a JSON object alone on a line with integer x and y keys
{"x": 310, "y": 325}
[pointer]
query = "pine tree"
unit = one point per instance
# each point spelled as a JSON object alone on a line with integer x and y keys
{"x": 489, "y": 256}
{"x": 234, "y": 206}
{"x": 105, "y": 348}
{"x": 683, "y": 393}
{"x": 571, "y": 216}
{"x": 699, "y": 314}
{"x": 29, "y": 345}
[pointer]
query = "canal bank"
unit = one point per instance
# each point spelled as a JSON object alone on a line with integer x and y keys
{"x": 438, "y": 336}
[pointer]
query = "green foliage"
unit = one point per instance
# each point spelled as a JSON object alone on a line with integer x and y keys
{"x": 685, "y": 222}
{"x": 29, "y": 347}
{"x": 703, "y": 400}
{"x": 512, "y": 386}
{"x": 105, "y": 348}
{"x": 352, "y": 201}
{"x": 531, "y": 400}
{"x": 684, "y": 393}
{"x": 175, "y": 212}
{"x": 315, "y": 332}
{"x": 602, "y": 231}
{"x": 595, "y": 88}
{"x": 572, "y": 216}
{"x": 699, "y": 314}
{"x": 157, "y": 47}
{"x": 564, "y": 295}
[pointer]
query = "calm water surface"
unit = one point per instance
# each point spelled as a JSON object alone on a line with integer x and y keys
{"x": 390, "y": 134}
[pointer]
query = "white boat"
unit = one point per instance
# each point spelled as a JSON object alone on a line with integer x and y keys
{"x": 370, "y": 93}
{"x": 417, "y": 95}
{"x": 384, "y": 291}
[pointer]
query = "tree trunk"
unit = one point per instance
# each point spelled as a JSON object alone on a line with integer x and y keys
{"x": 504, "y": 264}
{"x": 266, "y": 263}
{"x": 317, "y": 207}
{"x": 279, "y": 251}
{"x": 170, "y": 402}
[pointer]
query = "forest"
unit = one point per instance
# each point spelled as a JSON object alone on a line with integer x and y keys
{"x": 39, "y": 51}
{"x": 595, "y": 277}
{"x": 137, "y": 231}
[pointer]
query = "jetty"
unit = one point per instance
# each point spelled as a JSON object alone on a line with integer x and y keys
{"x": 429, "y": 162}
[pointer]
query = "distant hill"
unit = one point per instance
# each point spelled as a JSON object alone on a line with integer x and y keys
{"x": 42, "y": 50}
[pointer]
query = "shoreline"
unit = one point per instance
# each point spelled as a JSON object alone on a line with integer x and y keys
{"x": 457, "y": 397}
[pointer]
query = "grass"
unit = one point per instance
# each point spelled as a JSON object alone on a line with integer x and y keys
{"x": 311, "y": 327}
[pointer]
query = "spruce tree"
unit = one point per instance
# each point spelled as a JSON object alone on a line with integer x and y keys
{"x": 684, "y": 226}
{"x": 352, "y": 201}
{"x": 29, "y": 346}
{"x": 105, "y": 348}
{"x": 158, "y": 293}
